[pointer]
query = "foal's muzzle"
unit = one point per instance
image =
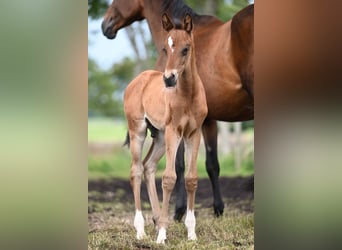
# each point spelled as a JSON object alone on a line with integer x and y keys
{"x": 170, "y": 81}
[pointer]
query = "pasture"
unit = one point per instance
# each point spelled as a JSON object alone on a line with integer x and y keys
{"x": 108, "y": 158}
{"x": 111, "y": 203}
{"x": 111, "y": 214}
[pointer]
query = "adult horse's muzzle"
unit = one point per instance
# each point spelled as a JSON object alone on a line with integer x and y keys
{"x": 170, "y": 81}
{"x": 107, "y": 28}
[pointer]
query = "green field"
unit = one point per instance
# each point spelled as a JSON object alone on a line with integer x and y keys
{"x": 116, "y": 162}
{"x": 106, "y": 130}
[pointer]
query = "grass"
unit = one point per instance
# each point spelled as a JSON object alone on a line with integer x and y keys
{"x": 111, "y": 222}
{"x": 109, "y": 165}
{"x": 106, "y": 130}
{"x": 234, "y": 230}
{"x": 116, "y": 163}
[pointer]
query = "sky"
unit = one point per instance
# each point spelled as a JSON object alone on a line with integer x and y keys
{"x": 104, "y": 51}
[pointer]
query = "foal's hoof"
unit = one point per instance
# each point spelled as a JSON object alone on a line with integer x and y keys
{"x": 218, "y": 209}
{"x": 192, "y": 236}
{"x": 179, "y": 213}
{"x": 161, "y": 236}
{"x": 140, "y": 235}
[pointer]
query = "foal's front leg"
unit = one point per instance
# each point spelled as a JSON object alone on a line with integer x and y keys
{"x": 172, "y": 141}
{"x": 191, "y": 179}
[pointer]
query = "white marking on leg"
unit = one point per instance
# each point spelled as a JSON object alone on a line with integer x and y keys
{"x": 170, "y": 43}
{"x": 190, "y": 223}
{"x": 161, "y": 236}
{"x": 139, "y": 224}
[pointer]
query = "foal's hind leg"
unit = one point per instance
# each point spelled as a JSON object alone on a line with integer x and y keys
{"x": 151, "y": 160}
{"x": 137, "y": 133}
{"x": 180, "y": 184}
{"x": 209, "y": 131}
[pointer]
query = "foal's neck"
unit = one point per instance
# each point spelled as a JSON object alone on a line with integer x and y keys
{"x": 189, "y": 79}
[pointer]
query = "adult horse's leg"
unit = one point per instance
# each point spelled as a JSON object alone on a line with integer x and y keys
{"x": 180, "y": 184}
{"x": 151, "y": 160}
{"x": 172, "y": 141}
{"x": 209, "y": 131}
{"x": 137, "y": 138}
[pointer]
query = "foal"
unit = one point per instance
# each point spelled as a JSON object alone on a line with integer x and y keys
{"x": 173, "y": 105}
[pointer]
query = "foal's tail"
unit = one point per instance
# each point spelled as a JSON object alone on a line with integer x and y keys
{"x": 154, "y": 131}
{"x": 127, "y": 141}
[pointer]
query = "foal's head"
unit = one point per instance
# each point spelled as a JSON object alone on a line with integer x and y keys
{"x": 177, "y": 48}
{"x": 121, "y": 13}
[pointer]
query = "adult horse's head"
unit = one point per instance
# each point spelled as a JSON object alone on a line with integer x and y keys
{"x": 178, "y": 48}
{"x": 121, "y": 13}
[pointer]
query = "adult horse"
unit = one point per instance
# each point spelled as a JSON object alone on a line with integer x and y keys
{"x": 224, "y": 56}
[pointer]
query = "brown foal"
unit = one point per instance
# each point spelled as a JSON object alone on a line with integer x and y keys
{"x": 173, "y": 103}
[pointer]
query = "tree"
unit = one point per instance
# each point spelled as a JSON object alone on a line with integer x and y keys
{"x": 97, "y": 8}
{"x": 223, "y": 9}
{"x": 106, "y": 87}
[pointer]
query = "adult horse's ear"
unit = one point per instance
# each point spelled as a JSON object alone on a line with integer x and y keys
{"x": 167, "y": 24}
{"x": 188, "y": 23}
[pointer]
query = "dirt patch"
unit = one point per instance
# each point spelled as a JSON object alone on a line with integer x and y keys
{"x": 237, "y": 192}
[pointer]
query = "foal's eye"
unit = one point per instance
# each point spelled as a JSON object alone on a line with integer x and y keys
{"x": 165, "y": 51}
{"x": 185, "y": 51}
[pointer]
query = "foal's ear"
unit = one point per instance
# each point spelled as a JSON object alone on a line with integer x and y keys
{"x": 167, "y": 24}
{"x": 188, "y": 23}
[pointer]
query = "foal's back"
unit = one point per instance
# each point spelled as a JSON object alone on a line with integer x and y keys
{"x": 144, "y": 98}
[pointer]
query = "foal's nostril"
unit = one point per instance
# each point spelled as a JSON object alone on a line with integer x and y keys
{"x": 170, "y": 81}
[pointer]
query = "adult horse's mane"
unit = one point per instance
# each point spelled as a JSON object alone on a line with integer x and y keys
{"x": 177, "y": 9}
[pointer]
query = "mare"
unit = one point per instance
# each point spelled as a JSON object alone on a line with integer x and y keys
{"x": 224, "y": 57}
{"x": 174, "y": 111}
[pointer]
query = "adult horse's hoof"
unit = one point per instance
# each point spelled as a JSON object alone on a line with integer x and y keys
{"x": 179, "y": 213}
{"x": 218, "y": 209}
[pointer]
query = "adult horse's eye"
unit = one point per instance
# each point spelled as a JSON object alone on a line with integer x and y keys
{"x": 185, "y": 51}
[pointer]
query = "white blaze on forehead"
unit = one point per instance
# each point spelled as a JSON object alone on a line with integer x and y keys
{"x": 170, "y": 43}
